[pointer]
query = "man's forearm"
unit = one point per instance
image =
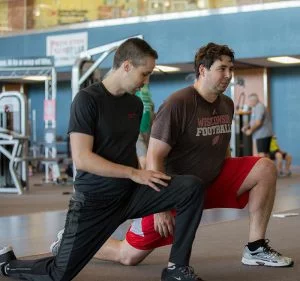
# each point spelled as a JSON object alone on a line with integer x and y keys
{"x": 95, "y": 164}
{"x": 254, "y": 126}
{"x": 155, "y": 164}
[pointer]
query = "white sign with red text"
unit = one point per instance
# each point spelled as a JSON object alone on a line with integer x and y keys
{"x": 65, "y": 48}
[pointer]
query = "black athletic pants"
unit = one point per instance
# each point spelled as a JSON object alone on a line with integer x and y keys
{"x": 92, "y": 218}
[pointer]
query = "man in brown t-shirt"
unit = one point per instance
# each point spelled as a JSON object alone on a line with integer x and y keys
{"x": 191, "y": 135}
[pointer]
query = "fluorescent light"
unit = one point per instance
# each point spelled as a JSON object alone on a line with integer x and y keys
{"x": 36, "y": 78}
{"x": 285, "y": 60}
{"x": 165, "y": 68}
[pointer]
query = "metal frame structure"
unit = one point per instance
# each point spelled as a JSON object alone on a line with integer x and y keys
{"x": 14, "y": 145}
{"x": 17, "y": 70}
{"x": 50, "y": 151}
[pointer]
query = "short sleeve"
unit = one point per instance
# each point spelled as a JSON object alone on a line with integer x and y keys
{"x": 83, "y": 115}
{"x": 259, "y": 112}
{"x": 167, "y": 123}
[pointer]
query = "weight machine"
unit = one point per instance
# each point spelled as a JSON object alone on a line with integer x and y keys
{"x": 18, "y": 70}
{"x": 240, "y": 144}
{"x": 13, "y": 142}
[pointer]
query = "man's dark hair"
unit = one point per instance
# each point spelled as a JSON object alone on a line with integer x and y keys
{"x": 208, "y": 54}
{"x": 135, "y": 50}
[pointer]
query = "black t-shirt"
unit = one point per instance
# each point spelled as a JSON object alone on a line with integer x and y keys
{"x": 114, "y": 123}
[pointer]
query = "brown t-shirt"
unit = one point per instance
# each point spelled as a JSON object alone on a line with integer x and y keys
{"x": 198, "y": 132}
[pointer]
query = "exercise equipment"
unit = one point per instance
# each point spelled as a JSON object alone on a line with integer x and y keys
{"x": 24, "y": 70}
{"x": 240, "y": 144}
{"x": 243, "y": 143}
{"x": 13, "y": 142}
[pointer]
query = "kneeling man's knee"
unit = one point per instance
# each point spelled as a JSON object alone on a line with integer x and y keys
{"x": 130, "y": 261}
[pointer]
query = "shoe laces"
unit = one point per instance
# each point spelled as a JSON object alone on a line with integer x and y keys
{"x": 269, "y": 250}
{"x": 188, "y": 271}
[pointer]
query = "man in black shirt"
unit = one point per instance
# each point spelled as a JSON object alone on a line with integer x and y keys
{"x": 109, "y": 187}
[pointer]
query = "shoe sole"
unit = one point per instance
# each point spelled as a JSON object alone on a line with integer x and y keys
{"x": 265, "y": 263}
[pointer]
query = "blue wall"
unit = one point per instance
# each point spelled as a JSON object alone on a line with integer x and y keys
{"x": 161, "y": 86}
{"x": 36, "y": 94}
{"x": 285, "y": 104}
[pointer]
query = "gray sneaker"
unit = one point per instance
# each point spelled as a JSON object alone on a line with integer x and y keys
{"x": 56, "y": 244}
{"x": 266, "y": 256}
{"x": 6, "y": 255}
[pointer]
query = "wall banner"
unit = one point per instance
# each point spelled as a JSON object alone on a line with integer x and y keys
{"x": 65, "y": 48}
{"x": 26, "y": 62}
{"x": 49, "y": 110}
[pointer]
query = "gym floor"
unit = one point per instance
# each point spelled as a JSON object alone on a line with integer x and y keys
{"x": 31, "y": 221}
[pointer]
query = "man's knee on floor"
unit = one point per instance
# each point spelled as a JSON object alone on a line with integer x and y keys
{"x": 131, "y": 256}
{"x": 129, "y": 260}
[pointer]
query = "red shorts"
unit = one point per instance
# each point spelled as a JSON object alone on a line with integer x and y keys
{"x": 222, "y": 193}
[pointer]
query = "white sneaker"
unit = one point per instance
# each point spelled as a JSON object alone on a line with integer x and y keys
{"x": 266, "y": 256}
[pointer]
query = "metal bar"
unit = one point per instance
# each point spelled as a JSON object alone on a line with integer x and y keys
{"x": 107, "y": 47}
{"x": 93, "y": 67}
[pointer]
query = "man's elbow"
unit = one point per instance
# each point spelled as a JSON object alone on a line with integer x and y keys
{"x": 79, "y": 162}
